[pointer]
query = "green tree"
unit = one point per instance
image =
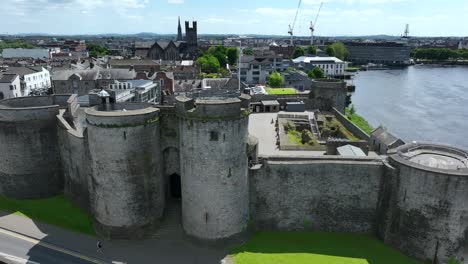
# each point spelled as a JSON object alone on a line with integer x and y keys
{"x": 208, "y": 64}
{"x": 220, "y": 52}
{"x": 312, "y": 50}
{"x": 298, "y": 52}
{"x": 97, "y": 50}
{"x": 339, "y": 51}
{"x": 275, "y": 80}
{"x": 247, "y": 52}
{"x": 232, "y": 56}
{"x": 316, "y": 73}
{"x": 14, "y": 44}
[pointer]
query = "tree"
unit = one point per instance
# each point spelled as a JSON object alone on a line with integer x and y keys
{"x": 247, "y": 52}
{"x": 275, "y": 80}
{"x": 316, "y": 73}
{"x": 312, "y": 50}
{"x": 330, "y": 51}
{"x": 220, "y": 52}
{"x": 352, "y": 110}
{"x": 232, "y": 56}
{"x": 97, "y": 50}
{"x": 298, "y": 52}
{"x": 339, "y": 50}
{"x": 208, "y": 64}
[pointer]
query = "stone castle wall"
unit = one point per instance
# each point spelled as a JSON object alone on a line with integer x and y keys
{"x": 118, "y": 167}
{"x": 325, "y": 194}
{"x": 29, "y": 158}
{"x": 423, "y": 210}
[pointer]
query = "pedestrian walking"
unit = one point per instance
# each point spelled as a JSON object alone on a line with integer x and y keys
{"x": 99, "y": 246}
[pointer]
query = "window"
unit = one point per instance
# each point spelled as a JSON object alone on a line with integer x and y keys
{"x": 2, "y": 96}
{"x": 11, "y": 87}
{"x": 214, "y": 136}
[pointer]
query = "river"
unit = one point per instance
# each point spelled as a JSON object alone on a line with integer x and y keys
{"x": 421, "y": 103}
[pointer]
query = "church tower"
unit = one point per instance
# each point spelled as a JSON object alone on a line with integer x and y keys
{"x": 179, "y": 32}
{"x": 191, "y": 38}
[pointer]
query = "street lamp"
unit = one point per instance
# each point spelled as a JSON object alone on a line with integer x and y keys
{"x": 239, "y": 64}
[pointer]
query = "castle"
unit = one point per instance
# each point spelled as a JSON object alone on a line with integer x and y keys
{"x": 123, "y": 162}
{"x": 181, "y": 49}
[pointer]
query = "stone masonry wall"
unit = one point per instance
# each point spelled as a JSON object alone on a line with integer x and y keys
{"x": 324, "y": 195}
{"x": 215, "y": 197}
{"x": 425, "y": 213}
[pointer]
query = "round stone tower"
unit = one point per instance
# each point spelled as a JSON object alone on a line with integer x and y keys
{"x": 214, "y": 167}
{"x": 427, "y": 195}
{"x": 126, "y": 187}
{"x": 29, "y": 156}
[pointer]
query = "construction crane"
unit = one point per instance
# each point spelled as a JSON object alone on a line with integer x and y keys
{"x": 406, "y": 34}
{"x": 291, "y": 28}
{"x": 312, "y": 25}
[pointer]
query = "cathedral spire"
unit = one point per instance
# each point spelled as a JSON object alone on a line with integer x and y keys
{"x": 179, "y": 32}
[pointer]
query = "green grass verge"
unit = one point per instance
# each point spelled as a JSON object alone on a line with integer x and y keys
{"x": 281, "y": 91}
{"x": 55, "y": 211}
{"x": 352, "y": 69}
{"x": 359, "y": 121}
{"x": 316, "y": 248}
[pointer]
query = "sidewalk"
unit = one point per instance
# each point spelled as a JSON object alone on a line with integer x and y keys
{"x": 170, "y": 248}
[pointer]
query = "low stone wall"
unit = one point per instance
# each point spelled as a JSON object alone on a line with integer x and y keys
{"x": 324, "y": 194}
{"x": 358, "y": 132}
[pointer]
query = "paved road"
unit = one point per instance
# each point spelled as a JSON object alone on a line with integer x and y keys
{"x": 15, "y": 250}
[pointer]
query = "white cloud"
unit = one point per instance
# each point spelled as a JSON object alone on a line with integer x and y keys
{"x": 175, "y": 2}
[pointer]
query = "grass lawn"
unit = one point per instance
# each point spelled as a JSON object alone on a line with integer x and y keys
{"x": 359, "y": 121}
{"x": 281, "y": 91}
{"x": 55, "y": 211}
{"x": 316, "y": 248}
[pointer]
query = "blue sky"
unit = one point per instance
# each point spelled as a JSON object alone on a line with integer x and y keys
{"x": 338, "y": 17}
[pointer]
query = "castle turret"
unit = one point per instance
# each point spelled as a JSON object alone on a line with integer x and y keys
{"x": 423, "y": 201}
{"x": 126, "y": 188}
{"x": 214, "y": 167}
{"x": 29, "y": 158}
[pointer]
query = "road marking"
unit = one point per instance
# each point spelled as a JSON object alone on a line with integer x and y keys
{"x": 17, "y": 259}
{"x": 50, "y": 246}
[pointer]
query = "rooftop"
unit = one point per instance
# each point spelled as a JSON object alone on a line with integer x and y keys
{"x": 317, "y": 59}
{"x": 431, "y": 156}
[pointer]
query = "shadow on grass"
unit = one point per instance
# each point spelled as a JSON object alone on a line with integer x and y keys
{"x": 56, "y": 211}
{"x": 43, "y": 219}
{"x": 330, "y": 244}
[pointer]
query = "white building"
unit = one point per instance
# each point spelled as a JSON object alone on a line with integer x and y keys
{"x": 33, "y": 80}
{"x": 332, "y": 66}
{"x": 10, "y": 86}
{"x": 256, "y": 70}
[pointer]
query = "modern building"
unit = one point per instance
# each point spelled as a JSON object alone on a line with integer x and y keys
{"x": 256, "y": 70}
{"x": 387, "y": 53}
{"x": 331, "y": 66}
